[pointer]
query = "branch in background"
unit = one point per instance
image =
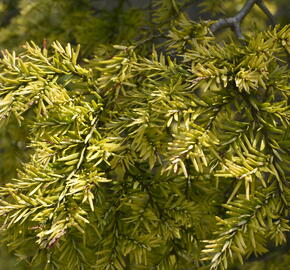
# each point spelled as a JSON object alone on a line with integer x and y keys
{"x": 150, "y": 38}
{"x": 264, "y": 8}
{"x": 235, "y": 22}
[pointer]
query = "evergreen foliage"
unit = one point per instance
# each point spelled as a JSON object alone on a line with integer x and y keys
{"x": 167, "y": 151}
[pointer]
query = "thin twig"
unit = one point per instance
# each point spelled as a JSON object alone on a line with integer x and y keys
{"x": 264, "y": 8}
{"x": 235, "y": 21}
{"x": 150, "y": 38}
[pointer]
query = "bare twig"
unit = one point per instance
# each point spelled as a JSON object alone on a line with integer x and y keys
{"x": 264, "y": 8}
{"x": 150, "y": 38}
{"x": 235, "y": 21}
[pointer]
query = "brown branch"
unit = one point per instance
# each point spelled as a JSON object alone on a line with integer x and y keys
{"x": 235, "y": 21}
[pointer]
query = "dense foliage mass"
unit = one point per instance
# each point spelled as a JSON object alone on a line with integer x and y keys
{"x": 167, "y": 151}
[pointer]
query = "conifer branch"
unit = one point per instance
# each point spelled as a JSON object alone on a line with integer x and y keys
{"x": 239, "y": 233}
{"x": 132, "y": 152}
